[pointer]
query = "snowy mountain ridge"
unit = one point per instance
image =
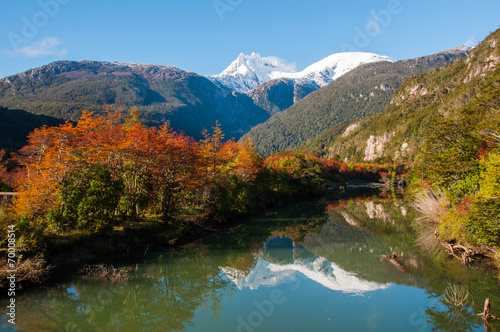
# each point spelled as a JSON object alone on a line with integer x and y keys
{"x": 249, "y": 71}
{"x": 319, "y": 270}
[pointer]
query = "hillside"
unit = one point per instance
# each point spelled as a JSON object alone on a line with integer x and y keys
{"x": 357, "y": 94}
{"x": 279, "y": 94}
{"x": 398, "y": 131}
{"x": 15, "y": 125}
{"x": 190, "y": 102}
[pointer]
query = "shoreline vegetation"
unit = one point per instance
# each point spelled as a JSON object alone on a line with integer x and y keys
{"x": 107, "y": 185}
{"x": 456, "y": 176}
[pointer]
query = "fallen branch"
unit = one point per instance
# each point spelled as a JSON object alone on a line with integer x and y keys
{"x": 460, "y": 251}
{"x": 486, "y": 312}
{"x": 393, "y": 261}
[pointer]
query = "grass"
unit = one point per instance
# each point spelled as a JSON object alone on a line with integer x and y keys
{"x": 103, "y": 273}
{"x": 432, "y": 204}
{"x": 29, "y": 271}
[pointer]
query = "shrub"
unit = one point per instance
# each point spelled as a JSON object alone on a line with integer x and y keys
{"x": 90, "y": 197}
{"x": 484, "y": 218}
{"x": 432, "y": 205}
{"x": 483, "y": 223}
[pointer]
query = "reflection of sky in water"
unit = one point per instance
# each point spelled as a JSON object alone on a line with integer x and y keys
{"x": 282, "y": 264}
{"x": 73, "y": 292}
{"x": 4, "y": 326}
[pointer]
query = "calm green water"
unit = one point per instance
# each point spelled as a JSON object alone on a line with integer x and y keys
{"x": 315, "y": 266}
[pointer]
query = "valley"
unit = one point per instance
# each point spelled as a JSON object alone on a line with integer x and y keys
{"x": 355, "y": 181}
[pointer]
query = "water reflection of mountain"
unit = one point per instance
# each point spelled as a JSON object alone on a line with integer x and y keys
{"x": 358, "y": 251}
{"x": 280, "y": 259}
{"x": 356, "y": 236}
{"x": 344, "y": 255}
{"x": 185, "y": 288}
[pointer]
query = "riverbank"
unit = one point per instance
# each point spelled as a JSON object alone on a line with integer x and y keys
{"x": 133, "y": 238}
{"x": 440, "y": 223}
{"x": 77, "y": 248}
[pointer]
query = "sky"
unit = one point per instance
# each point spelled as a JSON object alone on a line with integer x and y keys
{"x": 205, "y": 36}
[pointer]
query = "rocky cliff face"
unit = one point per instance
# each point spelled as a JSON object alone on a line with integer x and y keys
{"x": 277, "y": 95}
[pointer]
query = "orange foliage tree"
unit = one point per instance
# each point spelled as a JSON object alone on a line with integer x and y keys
{"x": 3, "y": 170}
{"x": 71, "y": 170}
{"x": 230, "y": 169}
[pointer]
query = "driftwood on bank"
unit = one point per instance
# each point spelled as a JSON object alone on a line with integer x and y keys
{"x": 486, "y": 312}
{"x": 465, "y": 254}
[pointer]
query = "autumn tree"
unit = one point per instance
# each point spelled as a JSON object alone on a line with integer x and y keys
{"x": 46, "y": 161}
{"x": 211, "y": 146}
{"x": 175, "y": 164}
{"x": 238, "y": 166}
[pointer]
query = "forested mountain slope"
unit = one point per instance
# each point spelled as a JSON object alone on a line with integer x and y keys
{"x": 190, "y": 102}
{"x": 397, "y": 131}
{"x": 15, "y": 125}
{"x": 356, "y": 94}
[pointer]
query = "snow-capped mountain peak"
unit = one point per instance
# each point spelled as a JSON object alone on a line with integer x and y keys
{"x": 250, "y": 71}
{"x": 332, "y": 67}
{"x": 319, "y": 270}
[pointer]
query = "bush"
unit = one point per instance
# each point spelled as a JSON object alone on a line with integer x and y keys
{"x": 483, "y": 222}
{"x": 298, "y": 174}
{"x": 32, "y": 270}
{"x": 484, "y": 219}
{"x": 453, "y": 227}
{"x": 90, "y": 197}
{"x": 233, "y": 199}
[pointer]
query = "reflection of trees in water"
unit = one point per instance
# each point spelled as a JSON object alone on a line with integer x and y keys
{"x": 454, "y": 318}
{"x": 161, "y": 295}
{"x": 166, "y": 293}
{"x": 359, "y": 231}
{"x": 389, "y": 225}
{"x": 457, "y": 316}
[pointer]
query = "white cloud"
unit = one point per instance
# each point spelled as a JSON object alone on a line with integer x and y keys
{"x": 471, "y": 42}
{"x": 47, "y": 46}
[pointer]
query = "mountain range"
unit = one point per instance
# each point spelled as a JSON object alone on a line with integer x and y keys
{"x": 357, "y": 94}
{"x": 264, "y": 98}
{"x": 248, "y": 72}
{"x": 190, "y": 102}
{"x": 398, "y": 130}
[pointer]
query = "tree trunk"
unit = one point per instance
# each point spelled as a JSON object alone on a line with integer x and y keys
{"x": 486, "y": 311}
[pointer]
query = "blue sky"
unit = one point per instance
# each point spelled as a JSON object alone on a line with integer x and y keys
{"x": 204, "y": 36}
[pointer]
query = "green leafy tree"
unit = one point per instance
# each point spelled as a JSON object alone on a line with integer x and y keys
{"x": 484, "y": 219}
{"x": 90, "y": 197}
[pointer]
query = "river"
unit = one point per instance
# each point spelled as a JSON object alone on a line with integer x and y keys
{"x": 312, "y": 266}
